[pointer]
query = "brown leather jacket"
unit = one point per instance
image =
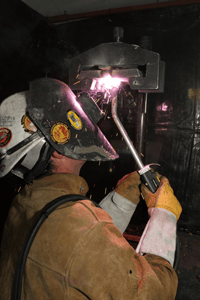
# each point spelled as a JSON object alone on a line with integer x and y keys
{"x": 78, "y": 253}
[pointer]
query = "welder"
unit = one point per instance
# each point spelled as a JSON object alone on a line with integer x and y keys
{"x": 79, "y": 252}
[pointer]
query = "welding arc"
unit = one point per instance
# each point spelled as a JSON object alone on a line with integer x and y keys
{"x": 124, "y": 133}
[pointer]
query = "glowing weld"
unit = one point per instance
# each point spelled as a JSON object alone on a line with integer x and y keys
{"x": 109, "y": 82}
{"x": 106, "y": 85}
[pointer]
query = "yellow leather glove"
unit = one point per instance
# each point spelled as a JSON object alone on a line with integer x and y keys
{"x": 128, "y": 187}
{"x": 163, "y": 198}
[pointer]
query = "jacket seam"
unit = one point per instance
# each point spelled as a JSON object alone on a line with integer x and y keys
{"x": 53, "y": 271}
{"x": 77, "y": 249}
{"x": 92, "y": 213}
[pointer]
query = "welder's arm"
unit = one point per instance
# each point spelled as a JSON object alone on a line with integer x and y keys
{"x": 159, "y": 236}
{"x": 121, "y": 203}
{"x": 119, "y": 208}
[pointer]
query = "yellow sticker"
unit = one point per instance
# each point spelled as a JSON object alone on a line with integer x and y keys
{"x": 28, "y": 124}
{"x": 60, "y": 133}
{"x": 74, "y": 120}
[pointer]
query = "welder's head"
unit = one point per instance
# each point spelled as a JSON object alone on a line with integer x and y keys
{"x": 49, "y": 117}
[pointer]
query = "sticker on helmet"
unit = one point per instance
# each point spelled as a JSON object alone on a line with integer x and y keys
{"x": 2, "y": 168}
{"x": 60, "y": 133}
{"x": 5, "y": 136}
{"x": 28, "y": 124}
{"x": 74, "y": 120}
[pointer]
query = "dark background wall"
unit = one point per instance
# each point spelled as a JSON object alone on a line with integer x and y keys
{"x": 30, "y": 48}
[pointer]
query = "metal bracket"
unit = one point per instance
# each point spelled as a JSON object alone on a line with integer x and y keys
{"x": 141, "y": 68}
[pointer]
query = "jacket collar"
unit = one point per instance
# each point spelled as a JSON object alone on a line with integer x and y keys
{"x": 69, "y": 183}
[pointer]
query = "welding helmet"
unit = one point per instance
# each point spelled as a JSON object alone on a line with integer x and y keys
{"x": 49, "y": 117}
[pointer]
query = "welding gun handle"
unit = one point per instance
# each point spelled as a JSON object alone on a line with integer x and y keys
{"x": 150, "y": 180}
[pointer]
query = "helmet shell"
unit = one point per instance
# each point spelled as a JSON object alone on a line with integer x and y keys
{"x": 61, "y": 118}
{"x": 18, "y": 135}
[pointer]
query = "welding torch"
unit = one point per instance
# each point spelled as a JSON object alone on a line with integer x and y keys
{"x": 149, "y": 178}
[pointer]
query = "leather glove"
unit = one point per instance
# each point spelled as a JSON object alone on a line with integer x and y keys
{"x": 128, "y": 187}
{"x": 164, "y": 198}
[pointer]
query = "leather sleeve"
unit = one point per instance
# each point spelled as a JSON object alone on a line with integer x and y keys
{"x": 159, "y": 235}
{"x": 119, "y": 208}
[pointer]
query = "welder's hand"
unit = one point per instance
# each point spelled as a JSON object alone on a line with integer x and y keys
{"x": 128, "y": 187}
{"x": 164, "y": 198}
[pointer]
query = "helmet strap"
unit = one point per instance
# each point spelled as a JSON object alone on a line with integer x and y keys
{"x": 45, "y": 155}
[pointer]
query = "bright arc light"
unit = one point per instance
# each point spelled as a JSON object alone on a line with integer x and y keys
{"x": 107, "y": 85}
{"x": 109, "y": 82}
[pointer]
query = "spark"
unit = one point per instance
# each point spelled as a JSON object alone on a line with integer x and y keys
{"x": 97, "y": 100}
{"x": 131, "y": 95}
{"x": 90, "y": 196}
{"x": 76, "y": 136}
{"x": 99, "y": 163}
{"x": 125, "y": 92}
{"x": 19, "y": 189}
{"x": 106, "y": 112}
{"x": 105, "y": 190}
{"x": 77, "y": 82}
{"x": 101, "y": 103}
